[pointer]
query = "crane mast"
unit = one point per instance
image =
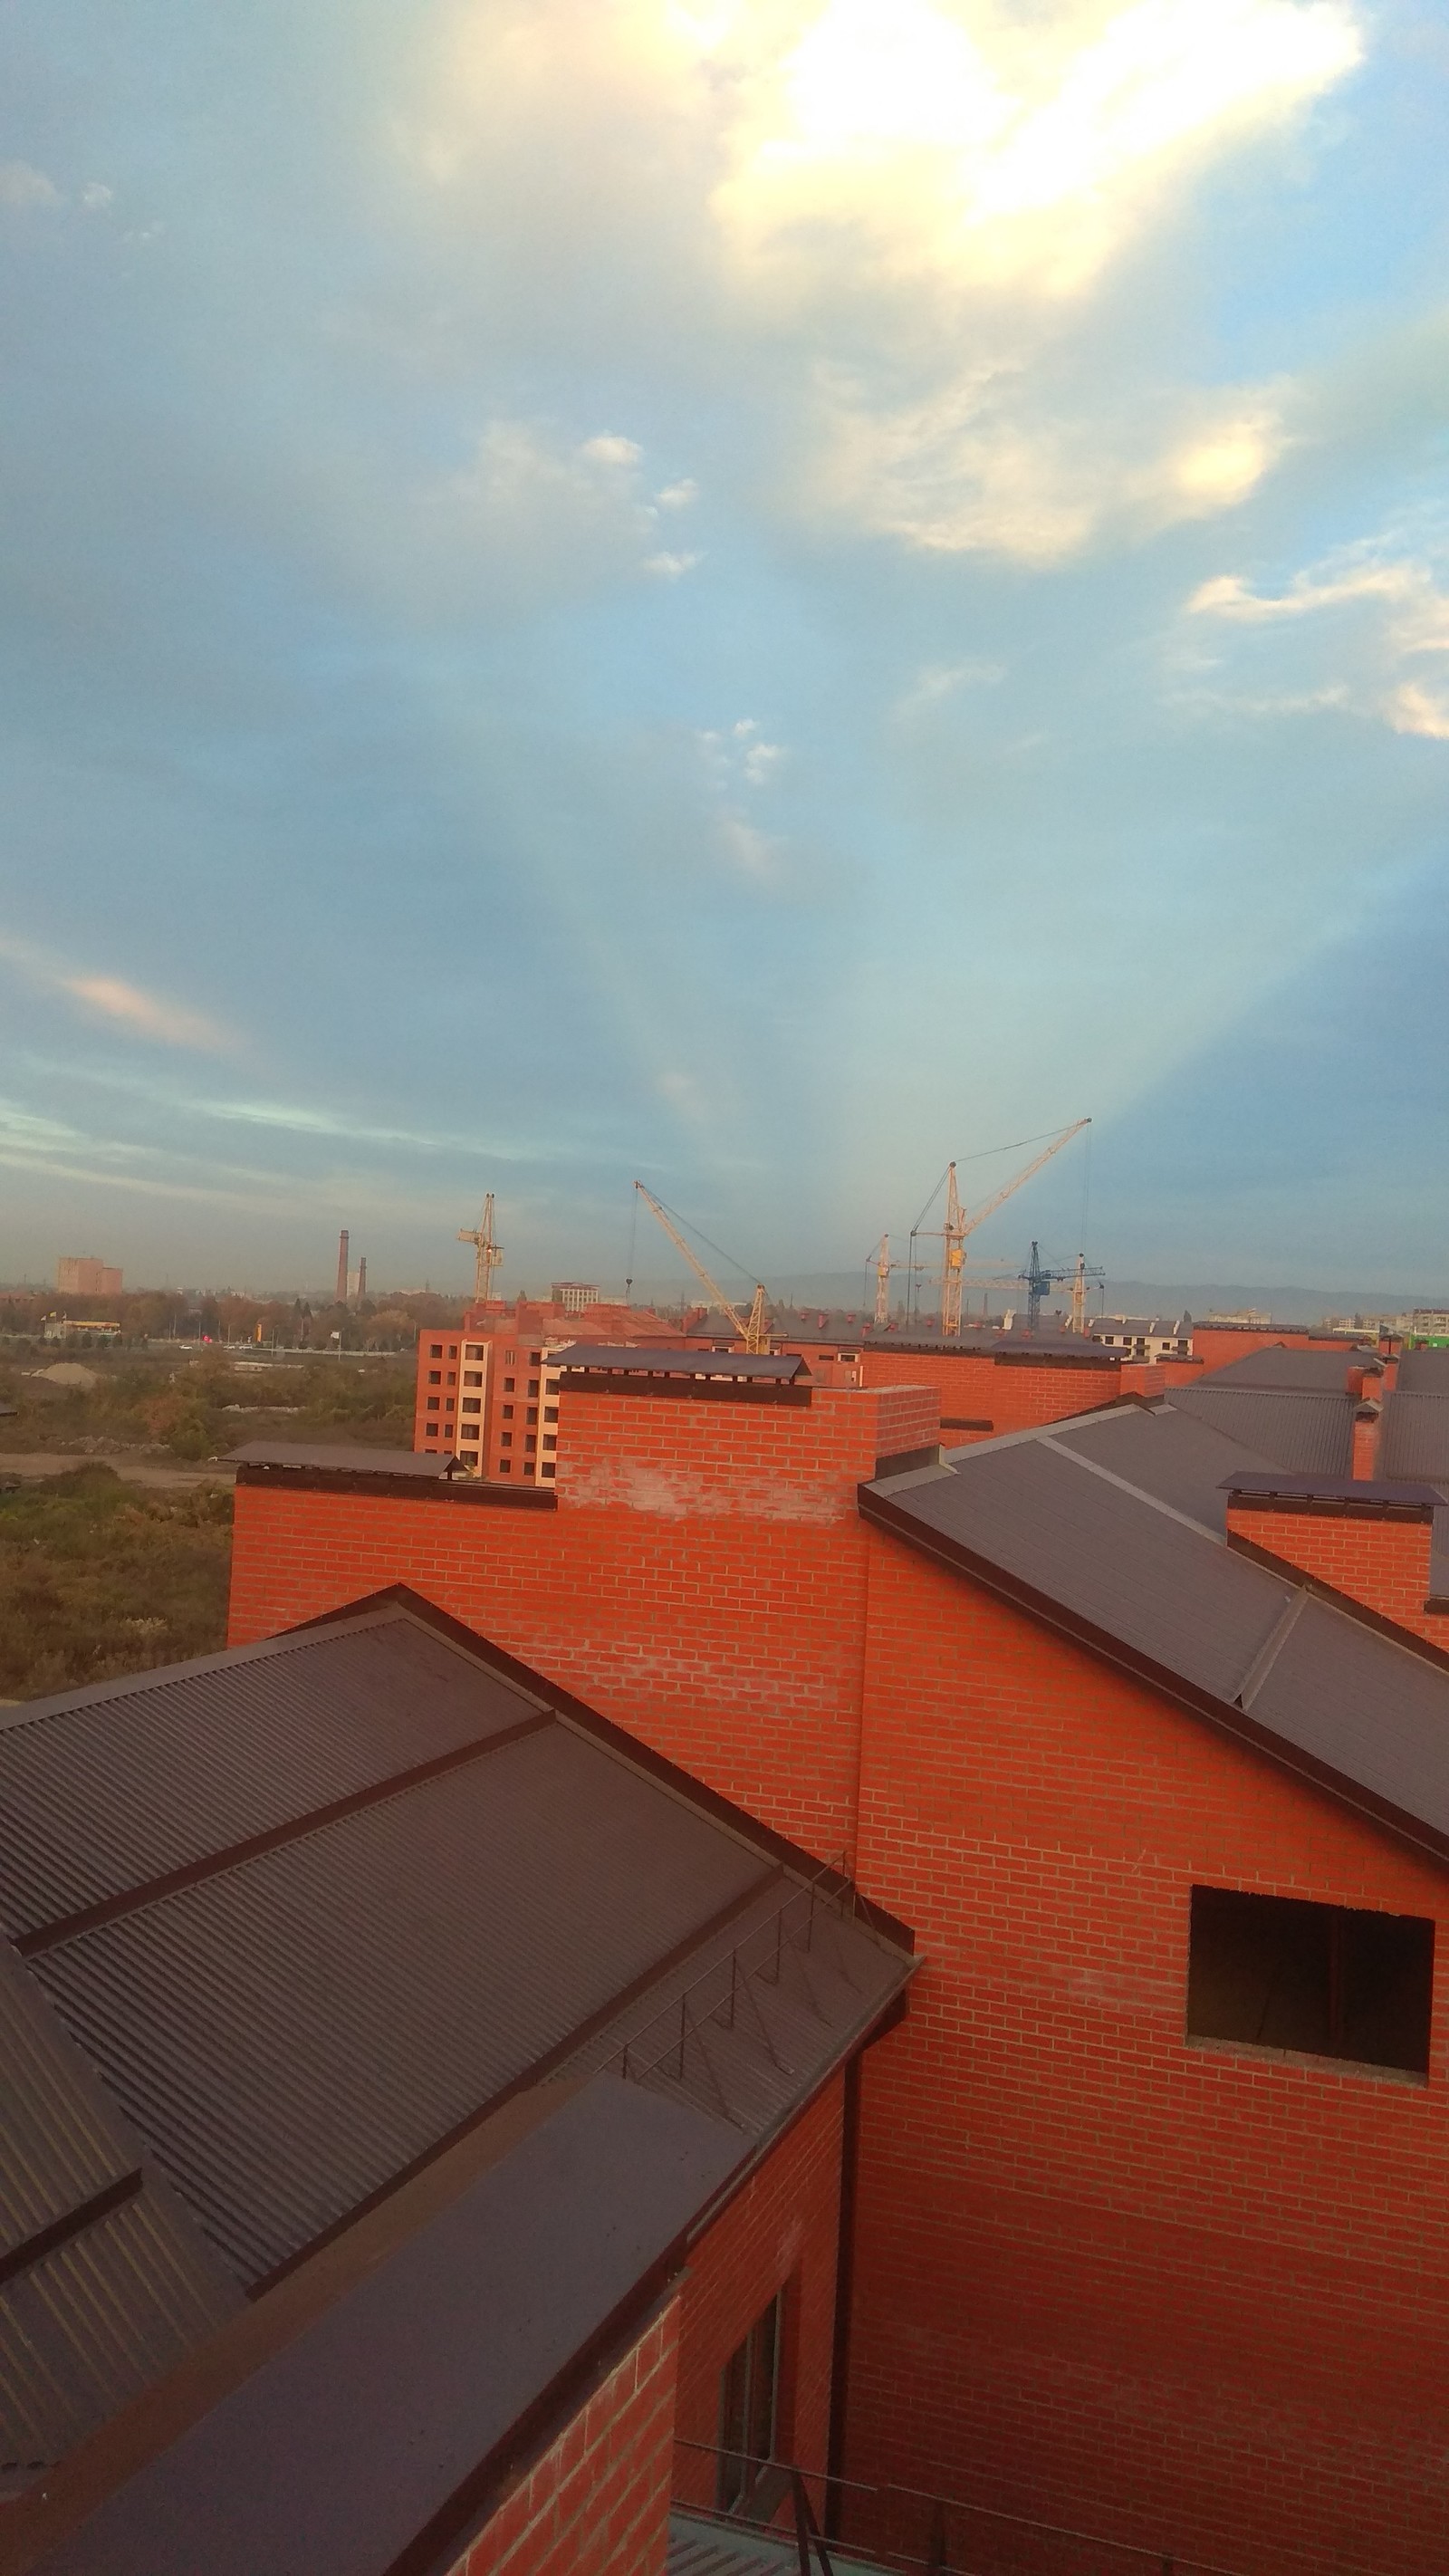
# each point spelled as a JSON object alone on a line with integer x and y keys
{"x": 750, "y": 1326}
{"x": 883, "y": 1268}
{"x": 957, "y": 1225}
{"x": 487, "y": 1255}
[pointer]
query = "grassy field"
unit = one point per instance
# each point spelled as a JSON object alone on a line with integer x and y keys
{"x": 99, "y": 1578}
{"x": 198, "y": 1406}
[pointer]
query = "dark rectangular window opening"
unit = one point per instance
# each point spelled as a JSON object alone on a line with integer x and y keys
{"x": 1329, "y": 1980}
{"x": 749, "y": 2408}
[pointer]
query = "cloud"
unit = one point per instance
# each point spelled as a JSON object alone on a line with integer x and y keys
{"x": 947, "y": 143}
{"x": 22, "y": 185}
{"x": 906, "y": 215}
{"x": 1355, "y": 620}
{"x": 935, "y": 682}
{"x": 535, "y": 517}
{"x": 122, "y": 1005}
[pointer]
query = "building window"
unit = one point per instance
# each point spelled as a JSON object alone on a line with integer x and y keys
{"x": 505, "y": 1466}
{"x": 533, "y": 1413}
{"x": 435, "y": 1350}
{"x": 1330, "y": 1980}
{"x": 531, "y": 1442}
{"x": 435, "y": 1404}
{"x": 472, "y": 1404}
{"x": 548, "y": 1467}
{"x": 474, "y": 1351}
{"x": 550, "y": 1439}
{"x": 449, "y": 1404}
{"x": 452, "y": 1377}
{"x": 435, "y": 1377}
{"x": 452, "y": 1350}
{"x": 749, "y": 2403}
{"x": 533, "y": 1358}
{"x": 507, "y": 1412}
{"x": 471, "y": 1456}
{"x": 550, "y": 1413}
{"x": 472, "y": 1377}
{"x": 506, "y": 1440}
{"x": 533, "y": 1386}
{"x": 508, "y": 1386}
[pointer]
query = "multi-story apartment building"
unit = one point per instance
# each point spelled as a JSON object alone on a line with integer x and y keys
{"x": 487, "y": 1389}
{"x": 79, "y": 1274}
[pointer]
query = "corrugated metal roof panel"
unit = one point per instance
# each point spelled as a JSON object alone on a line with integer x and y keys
{"x": 290, "y": 2035}
{"x": 1290, "y": 1370}
{"x": 700, "y": 2545}
{"x": 1374, "y": 1710}
{"x": 1171, "y": 1592}
{"x": 1173, "y": 1456}
{"x": 136, "y": 1782}
{"x": 1423, "y": 1373}
{"x": 1414, "y": 1438}
{"x": 1305, "y": 1430}
{"x": 60, "y": 2141}
{"x": 92, "y": 2324}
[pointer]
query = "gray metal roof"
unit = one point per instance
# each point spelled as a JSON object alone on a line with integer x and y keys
{"x": 1301, "y": 1429}
{"x": 1423, "y": 1372}
{"x": 1118, "y": 1566}
{"x": 365, "y": 2429}
{"x": 1290, "y": 1370}
{"x": 1414, "y": 1438}
{"x": 311, "y": 1910}
{"x": 657, "y": 1360}
{"x": 426, "y": 1466}
{"x": 702, "y": 2544}
{"x": 1175, "y": 1456}
{"x": 106, "y": 2281}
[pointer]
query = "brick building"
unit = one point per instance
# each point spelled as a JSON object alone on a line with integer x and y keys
{"x": 79, "y": 1274}
{"x": 1149, "y": 2232}
{"x": 487, "y": 1389}
{"x": 427, "y": 2117}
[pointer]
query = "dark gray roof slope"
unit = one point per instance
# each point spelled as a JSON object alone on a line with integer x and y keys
{"x": 1414, "y": 1439}
{"x": 105, "y": 2281}
{"x": 1175, "y": 1456}
{"x": 1326, "y": 1691}
{"x": 314, "y": 1909}
{"x": 1303, "y": 1430}
{"x": 1423, "y": 1372}
{"x": 367, "y": 2428}
{"x": 1291, "y": 1371}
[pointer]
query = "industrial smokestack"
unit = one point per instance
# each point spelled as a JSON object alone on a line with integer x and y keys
{"x": 342, "y": 1267}
{"x": 361, "y": 1276}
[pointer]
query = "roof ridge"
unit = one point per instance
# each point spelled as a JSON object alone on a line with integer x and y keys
{"x": 1139, "y": 1493}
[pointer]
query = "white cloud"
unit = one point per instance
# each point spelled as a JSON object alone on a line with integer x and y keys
{"x": 21, "y": 185}
{"x": 540, "y": 515}
{"x": 95, "y": 197}
{"x": 1361, "y": 620}
{"x": 935, "y": 682}
{"x": 906, "y": 214}
{"x": 123, "y": 1005}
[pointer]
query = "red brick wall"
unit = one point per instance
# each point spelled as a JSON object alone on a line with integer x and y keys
{"x": 783, "y": 2228}
{"x": 1010, "y": 1394}
{"x": 1154, "y": 1377}
{"x": 597, "y": 2503}
{"x": 1383, "y": 1563}
{"x": 702, "y": 1581}
{"x": 1186, "y": 2296}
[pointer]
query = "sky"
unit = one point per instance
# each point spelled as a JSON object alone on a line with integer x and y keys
{"x": 754, "y": 594}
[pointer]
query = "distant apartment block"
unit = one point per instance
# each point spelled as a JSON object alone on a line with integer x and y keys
{"x": 80, "y": 1274}
{"x": 487, "y": 1392}
{"x": 1144, "y": 1337}
{"x": 573, "y": 1295}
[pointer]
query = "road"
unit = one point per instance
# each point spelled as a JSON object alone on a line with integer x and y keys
{"x": 177, "y": 1473}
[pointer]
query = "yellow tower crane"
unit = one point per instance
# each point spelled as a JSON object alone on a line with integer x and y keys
{"x": 751, "y": 1327}
{"x": 487, "y": 1255}
{"x": 958, "y": 1225}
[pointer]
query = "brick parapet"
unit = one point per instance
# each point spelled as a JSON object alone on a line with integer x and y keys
{"x": 597, "y": 2502}
{"x": 1377, "y": 1557}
